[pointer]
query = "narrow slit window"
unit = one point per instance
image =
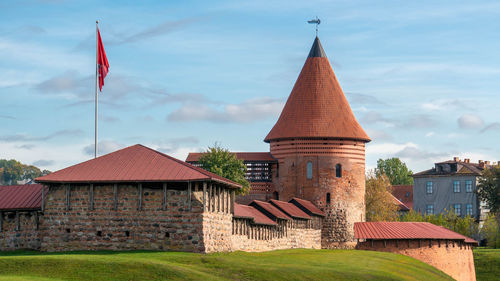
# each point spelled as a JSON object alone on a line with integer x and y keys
{"x": 338, "y": 171}
{"x": 309, "y": 170}
{"x": 328, "y": 198}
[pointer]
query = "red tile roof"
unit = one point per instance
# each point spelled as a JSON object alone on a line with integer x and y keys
{"x": 317, "y": 106}
{"x": 290, "y": 209}
{"x": 271, "y": 209}
{"x": 307, "y": 205}
{"x": 404, "y": 193}
{"x": 405, "y": 230}
{"x": 135, "y": 163}
{"x": 245, "y": 156}
{"x": 21, "y": 197}
{"x": 249, "y": 212}
{"x": 401, "y": 206}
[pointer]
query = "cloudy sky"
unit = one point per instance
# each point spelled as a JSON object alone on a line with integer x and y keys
{"x": 422, "y": 77}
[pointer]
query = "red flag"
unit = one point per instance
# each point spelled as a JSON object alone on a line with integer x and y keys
{"x": 102, "y": 61}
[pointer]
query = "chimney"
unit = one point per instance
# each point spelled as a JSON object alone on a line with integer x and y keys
{"x": 467, "y": 160}
{"x": 456, "y": 159}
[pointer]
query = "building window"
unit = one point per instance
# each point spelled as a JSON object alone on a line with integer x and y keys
{"x": 468, "y": 186}
{"x": 328, "y": 198}
{"x": 469, "y": 209}
{"x": 429, "y": 209}
{"x": 428, "y": 187}
{"x": 456, "y": 186}
{"x": 338, "y": 171}
{"x": 458, "y": 209}
{"x": 309, "y": 170}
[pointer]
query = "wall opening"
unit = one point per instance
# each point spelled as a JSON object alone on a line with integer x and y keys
{"x": 328, "y": 198}
{"x": 99, "y": 233}
{"x": 167, "y": 235}
{"x": 338, "y": 171}
{"x": 276, "y": 195}
{"x": 127, "y": 233}
{"x": 68, "y": 230}
{"x": 309, "y": 170}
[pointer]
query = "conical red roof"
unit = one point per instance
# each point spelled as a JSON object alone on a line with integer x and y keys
{"x": 317, "y": 107}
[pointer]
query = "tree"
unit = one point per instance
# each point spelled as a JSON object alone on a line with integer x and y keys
{"x": 12, "y": 171}
{"x": 491, "y": 231}
{"x": 395, "y": 170}
{"x": 488, "y": 189}
{"x": 380, "y": 204}
{"x": 224, "y": 163}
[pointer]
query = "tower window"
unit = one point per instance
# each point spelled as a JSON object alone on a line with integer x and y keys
{"x": 338, "y": 171}
{"x": 309, "y": 170}
{"x": 328, "y": 198}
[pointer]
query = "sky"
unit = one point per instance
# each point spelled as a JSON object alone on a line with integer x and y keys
{"x": 422, "y": 77}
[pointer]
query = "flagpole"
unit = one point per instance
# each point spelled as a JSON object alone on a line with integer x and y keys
{"x": 96, "y": 81}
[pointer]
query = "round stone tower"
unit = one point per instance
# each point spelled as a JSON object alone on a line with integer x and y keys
{"x": 320, "y": 148}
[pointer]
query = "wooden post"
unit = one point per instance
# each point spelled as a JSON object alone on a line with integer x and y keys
{"x": 37, "y": 221}
{"x": 68, "y": 190}
{"x": 1, "y": 221}
{"x": 232, "y": 202}
{"x": 223, "y": 193}
{"x": 164, "y": 202}
{"x": 139, "y": 199}
{"x": 209, "y": 199}
{"x": 91, "y": 195}
{"x": 217, "y": 188}
{"x": 115, "y": 196}
{"x": 43, "y": 198}
{"x": 18, "y": 227}
{"x": 189, "y": 196}
{"x": 204, "y": 196}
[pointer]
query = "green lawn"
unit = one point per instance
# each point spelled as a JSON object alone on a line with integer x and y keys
{"x": 276, "y": 265}
{"x": 487, "y": 262}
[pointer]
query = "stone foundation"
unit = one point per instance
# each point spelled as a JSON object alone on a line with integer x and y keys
{"x": 451, "y": 257}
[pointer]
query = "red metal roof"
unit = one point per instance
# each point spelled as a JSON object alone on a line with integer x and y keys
{"x": 21, "y": 197}
{"x": 317, "y": 107}
{"x": 289, "y": 209}
{"x": 404, "y": 193}
{"x": 245, "y": 156}
{"x": 271, "y": 209}
{"x": 244, "y": 211}
{"x": 308, "y": 205}
{"x": 405, "y": 230}
{"x": 135, "y": 163}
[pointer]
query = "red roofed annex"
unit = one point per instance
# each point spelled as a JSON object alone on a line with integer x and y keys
{"x": 308, "y": 191}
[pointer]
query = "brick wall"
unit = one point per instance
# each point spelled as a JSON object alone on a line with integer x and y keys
{"x": 19, "y": 232}
{"x": 453, "y": 258}
{"x": 347, "y": 202}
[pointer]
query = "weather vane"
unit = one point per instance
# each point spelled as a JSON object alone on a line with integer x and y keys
{"x": 315, "y": 21}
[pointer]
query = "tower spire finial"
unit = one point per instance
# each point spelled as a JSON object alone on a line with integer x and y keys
{"x": 316, "y": 21}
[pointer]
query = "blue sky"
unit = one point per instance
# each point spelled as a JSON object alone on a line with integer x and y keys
{"x": 422, "y": 77}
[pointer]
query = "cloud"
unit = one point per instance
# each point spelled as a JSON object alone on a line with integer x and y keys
{"x": 378, "y": 135}
{"x": 44, "y": 163}
{"x": 357, "y": 98}
{"x": 119, "y": 38}
{"x": 7, "y": 117}
{"x": 429, "y": 134}
{"x": 372, "y": 117}
{"x": 445, "y": 104}
{"x": 470, "y": 121}
{"x": 413, "y": 152}
{"x": 103, "y": 147}
{"x": 245, "y": 112}
{"x": 26, "y": 146}
{"x": 419, "y": 121}
{"x": 26, "y": 137}
{"x": 491, "y": 127}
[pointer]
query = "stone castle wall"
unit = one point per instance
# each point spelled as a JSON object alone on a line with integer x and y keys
{"x": 19, "y": 230}
{"x": 347, "y": 202}
{"x": 453, "y": 258}
{"x": 287, "y": 235}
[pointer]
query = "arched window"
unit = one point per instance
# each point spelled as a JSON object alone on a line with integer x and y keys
{"x": 309, "y": 170}
{"x": 338, "y": 171}
{"x": 328, "y": 198}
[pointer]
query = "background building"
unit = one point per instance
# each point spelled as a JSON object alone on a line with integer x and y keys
{"x": 450, "y": 185}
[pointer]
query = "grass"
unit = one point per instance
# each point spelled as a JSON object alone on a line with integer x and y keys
{"x": 487, "y": 262}
{"x": 299, "y": 264}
